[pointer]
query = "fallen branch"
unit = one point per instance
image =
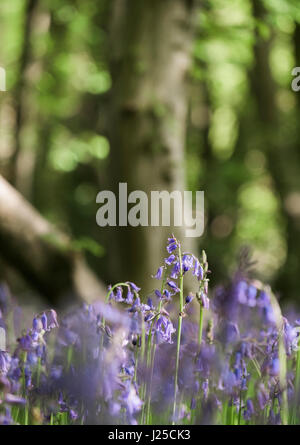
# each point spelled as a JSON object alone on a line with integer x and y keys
{"x": 42, "y": 254}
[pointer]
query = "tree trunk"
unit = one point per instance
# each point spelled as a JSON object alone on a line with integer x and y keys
{"x": 30, "y": 9}
{"x": 283, "y": 159}
{"x": 44, "y": 256}
{"x": 150, "y": 58}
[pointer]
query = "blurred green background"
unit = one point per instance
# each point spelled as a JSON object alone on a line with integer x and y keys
{"x": 241, "y": 126}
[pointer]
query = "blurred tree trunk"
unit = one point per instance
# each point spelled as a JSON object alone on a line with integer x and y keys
{"x": 150, "y": 58}
{"x": 30, "y": 9}
{"x": 283, "y": 158}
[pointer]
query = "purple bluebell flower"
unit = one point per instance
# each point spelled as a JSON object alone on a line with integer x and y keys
{"x": 158, "y": 293}
{"x": 291, "y": 337}
{"x": 249, "y": 411}
{"x": 5, "y": 361}
{"x": 198, "y": 270}
{"x": 229, "y": 332}
{"x": 111, "y": 295}
{"x": 167, "y": 294}
{"x": 44, "y": 321}
{"x": 241, "y": 291}
{"x": 171, "y": 247}
{"x": 205, "y": 387}
{"x": 170, "y": 259}
{"x": 175, "y": 271}
{"x": 173, "y": 285}
{"x": 14, "y": 399}
{"x": 6, "y": 419}
{"x": 37, "y": 325}
{"x": 189, "y": 298}
{"x": 274, "y": 419}
{"x": 262, "y": 396}
{"x": 131, "y": 400}
{"x": 129, "y": 297}
{"x": 73, "y": 414}
{"x": 119, "y": 295}
{"x": 187, "y": 262}
{"x": 51, "y": 318}
{"x": 164, "y": 329}
{"x": 5, "y": 385}
{"x": 159, "y": 273}
{"x": 134, "y": 287}
{"x": 136, "y": 305}
{"x": 251, "y": 296}
{"x": 203, "y": 299}
{"x": 193, "y": 403}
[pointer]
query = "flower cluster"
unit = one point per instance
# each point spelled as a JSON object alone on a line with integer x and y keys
{"x": 177, "y": 355}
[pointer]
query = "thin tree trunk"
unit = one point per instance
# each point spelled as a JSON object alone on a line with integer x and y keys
{"x": 150, "y": 58}
{"x": 283, "y": 158}
{"x": 30, "y": 8}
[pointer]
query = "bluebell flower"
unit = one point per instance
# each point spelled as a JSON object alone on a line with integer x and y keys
{"x": 229, "y": 332}
{"x": 205, "y": 387}
{"x": 262, "y": 396}
{"x": 264, "y": 302}
{"x": 187, "y": 262}
{"x": 171, "y": 247}
{"x": 37, "y": 325}
{"x": 129, "y": 297}
{"x": 51, "y": 318}
{"x": 14, "y": 399}
{"x": 136, "y": 305}
{"x": 73, "y": 414}
{"x": 170, "y": 259}
{"x": 131, "y": 401}
{"x": 189, "y": 298}
{"x": 271, "y": 365}
{"x": 5, "y": 361}
{"x": 167, "y": 295}
{"x": 158, "y": 293}
{"x": 274, "y": 419}
{"x": 119, "y": 295}
{"x": 6, "y": 419}
{"x": 251, "y": 295}
{"x": 159, "y": 272}
{"x": 291, "y": 337}
{"x": 203, "y": 299}
{"x": 150, "y": 303}
{"x": 229, "y": 380}
{"x": 134, "y": 287}
{"x": 164, "y": 329}
{"x": 241, "y": 291}
{"x": 173, "y": 285}
{"x": 249, "y": 411}
{"x": 193, "y": 403}
{"x": 175, "y": 271}
{"x": 198, "y": 270}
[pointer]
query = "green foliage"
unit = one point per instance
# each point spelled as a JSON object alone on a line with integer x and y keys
{"x": 64, "y": 136}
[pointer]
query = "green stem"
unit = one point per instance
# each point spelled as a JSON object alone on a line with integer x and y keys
{"x": 240, "y": 408}
{"x": 106, "y": 301}
{"x": 136, "y": 357}
{"x": 297, "y": 386}
{"x": 200, "y": 326}
{"x": 38, "y": 372}
{"x": 283, "y": 381}
{"x": 178, "y": 337}
{"x": 151, "y": 359}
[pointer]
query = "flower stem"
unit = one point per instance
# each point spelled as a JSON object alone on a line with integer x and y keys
{"x": 200, "y": 326}
{"x": 178, "y": 336}
{"x": 152, "y": 358}
{"x": 297, "y": 386}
